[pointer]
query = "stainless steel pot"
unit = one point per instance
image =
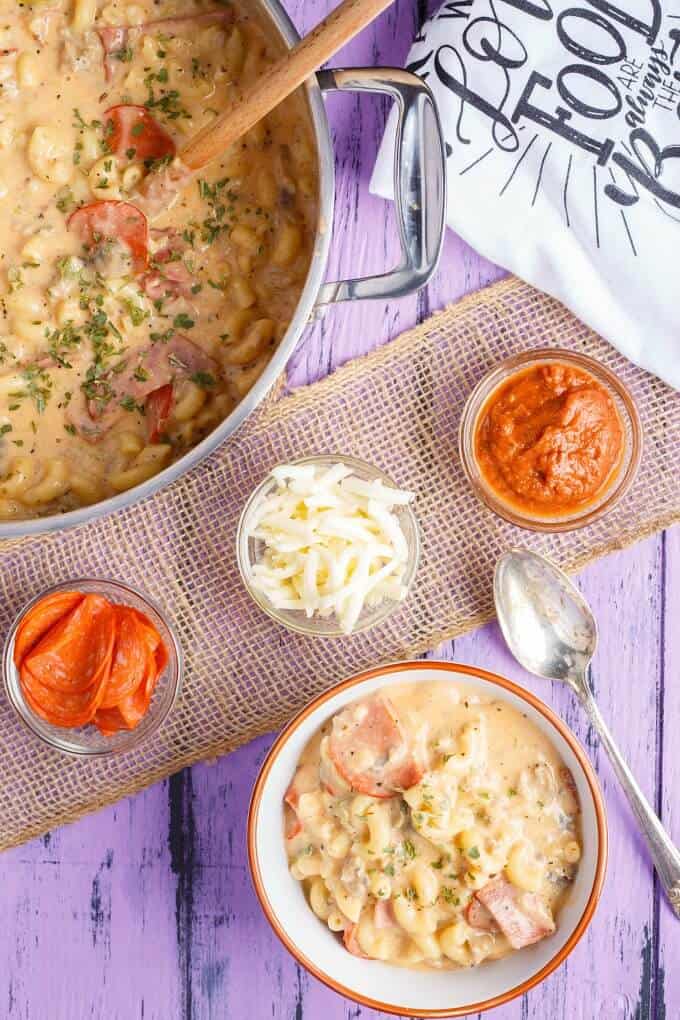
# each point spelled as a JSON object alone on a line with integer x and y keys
{"x": 420, "y": 192}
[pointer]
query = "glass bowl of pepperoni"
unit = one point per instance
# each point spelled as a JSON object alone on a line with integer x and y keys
{"x": 92, "y": 667}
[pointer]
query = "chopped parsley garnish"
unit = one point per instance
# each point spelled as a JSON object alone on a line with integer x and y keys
{"x": 203, "y": 379}
{"x": 473, "y": 852}
{"x": 158, "y": 164}
{"x": 37, "y": 387}
{"x": 106, "y": 341}
{"x": 60, "y": 342}
{"x": 65, "y": 200}
{"x": 409, "y": 849}
{"x": 14, "y": 279}
{"x": 137, "y": 314}
{"x": 217, "y": 196}
{"x": 182, "y": 321}
{"x": 449, "y": 896}
{"x": 167, "y": 102}
{"x": 129, "y": 403}
{"x": 162, "y": 338}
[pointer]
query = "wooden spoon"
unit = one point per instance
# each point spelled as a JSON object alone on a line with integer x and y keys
{"x": 291, "y": 70}
{"x": 258, "y": 99}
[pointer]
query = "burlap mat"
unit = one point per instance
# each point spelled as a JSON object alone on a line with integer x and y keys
{"x": 398, "y": 408}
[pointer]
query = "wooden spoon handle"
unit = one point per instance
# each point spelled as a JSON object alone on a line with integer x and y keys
{"x": 282, "y": 78}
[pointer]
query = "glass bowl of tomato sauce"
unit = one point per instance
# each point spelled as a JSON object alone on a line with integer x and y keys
{"x": 101, "y": 738}
{"x": 550, "y": 440}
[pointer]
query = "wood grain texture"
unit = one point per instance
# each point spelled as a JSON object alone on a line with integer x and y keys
{"x": 146, "y": 909}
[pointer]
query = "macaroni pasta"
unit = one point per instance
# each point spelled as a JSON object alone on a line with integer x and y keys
{"x": 124, "y": 340}
{"x": 433, "y": 827}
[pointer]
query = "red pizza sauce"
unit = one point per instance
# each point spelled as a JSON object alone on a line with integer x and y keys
{"x": 549, "y": 439}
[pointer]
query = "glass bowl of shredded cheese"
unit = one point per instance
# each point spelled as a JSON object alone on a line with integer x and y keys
{"x": 328, "y": 545}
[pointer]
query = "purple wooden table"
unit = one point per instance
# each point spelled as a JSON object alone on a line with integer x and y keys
{"x": 146, "y": 909}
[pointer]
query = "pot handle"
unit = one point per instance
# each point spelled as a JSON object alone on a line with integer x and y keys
{"x": 419, "y": 181}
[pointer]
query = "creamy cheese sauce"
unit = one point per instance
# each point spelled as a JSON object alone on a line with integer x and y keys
{"x": 122, "y": 343}
{"x": 433, "y": 827}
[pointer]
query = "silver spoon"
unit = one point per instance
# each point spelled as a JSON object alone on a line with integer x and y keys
{"x": 550, "y": 629}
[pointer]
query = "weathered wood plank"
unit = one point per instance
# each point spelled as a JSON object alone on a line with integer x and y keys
{"x": 146, "y": 909}
{"x": 88, "y": 919}
{"x": 666, "y": 948}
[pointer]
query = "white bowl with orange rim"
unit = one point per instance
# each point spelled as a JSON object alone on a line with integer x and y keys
{"x": 408, "y": 991}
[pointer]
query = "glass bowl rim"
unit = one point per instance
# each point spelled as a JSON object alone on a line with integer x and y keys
{"x": 279, "y": 616}
{"x": 633, "y": 443}
{"x": 24, "y": 713}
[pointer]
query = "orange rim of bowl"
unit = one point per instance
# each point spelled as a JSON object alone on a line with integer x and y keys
{"x": 598, "y": 802}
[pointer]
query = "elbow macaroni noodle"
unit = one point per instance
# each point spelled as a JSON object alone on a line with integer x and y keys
{"x": 226, "y": 264}
{"x": 397, "y": 875}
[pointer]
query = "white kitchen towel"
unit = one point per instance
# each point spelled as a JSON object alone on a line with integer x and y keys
{"x": 562, "y": 122}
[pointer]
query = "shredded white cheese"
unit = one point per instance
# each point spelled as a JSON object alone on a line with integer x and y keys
{"x": 331, "y": 542}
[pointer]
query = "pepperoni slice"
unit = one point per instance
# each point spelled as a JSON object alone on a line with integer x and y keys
{"x": 148, "y": 369}
{"x": 102, "y": 222}
{"x": 522, "y": 916}
{"x": 69, "y": 658}
{"x": 158, "y": 406}
{"x": 305, "y": 780}
{"x": 109, "y": 721}
{"x": 134, "y": 134}
{"x": 62, "y": 708}
{"x": 349, "y": 937}
{"x": 370, "y": 750}
{"x": 40, "y": 619}
{"x": 383, "y": 915}
{"x": 134, "y": 707}
{"x": 331, "y": 780}
{"x": 130, "y": 659}
{"x": 477, "y": 916}
{"x": 131, "y": 706}
{"x": 114, "y": 42}
{"x": 162, "y": 658}
{"x": 151, "y": 637}
{"x": 82, "y": 659}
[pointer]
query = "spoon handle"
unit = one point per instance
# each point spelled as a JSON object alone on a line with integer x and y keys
{"x": 665, "y": 855}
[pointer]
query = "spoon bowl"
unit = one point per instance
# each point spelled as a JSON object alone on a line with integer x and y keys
{"x": 547, "y": 624}
{"x": 550, "y": 629}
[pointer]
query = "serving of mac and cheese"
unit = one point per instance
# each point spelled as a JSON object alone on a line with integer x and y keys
{"x": 433, "y": 827}
{"x": 124, "y": 338}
